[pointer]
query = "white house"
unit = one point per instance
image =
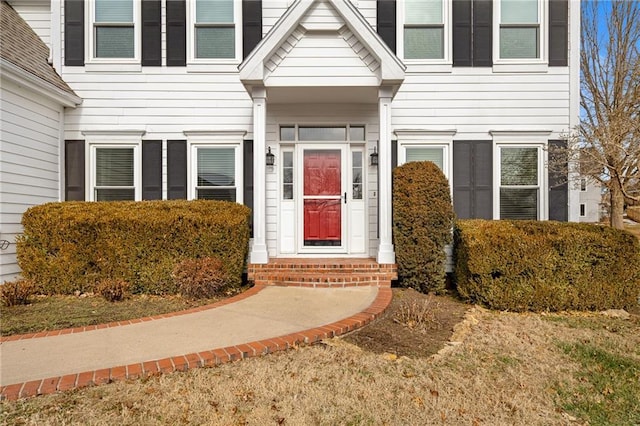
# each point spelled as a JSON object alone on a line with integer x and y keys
{"x": 195, "y": 99}
{"x": 32, "y": 102}
{"x": 590, "y": 208}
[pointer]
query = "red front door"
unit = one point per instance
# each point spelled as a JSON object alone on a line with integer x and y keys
{"x": 322, "y": 197}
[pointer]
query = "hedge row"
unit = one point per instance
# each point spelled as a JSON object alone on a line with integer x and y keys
{"x": 422, "y": 221}
{"x": 530, "y": 265}
{"x": 634, "y": 213}
{"x": 71, "y": 246}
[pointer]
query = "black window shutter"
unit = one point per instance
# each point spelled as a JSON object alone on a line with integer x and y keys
{"x": 482, "y": 33}
{"x": 251, "y": 25}
{"x": 151, "y": 33}
{"x": 394, "y": 154}
{"x": 462, "y": 33}
{"x": 176, "y": 33}
{"x": 176, "y": 170}
{"x": 558, "y": 188}
{"x": 386, "y": 22}
{"x": 472, "y": 179}
{"x": 462, "y": 179}
{"x": 247, "y": 160}
{"x": 74, "y": 32}
{"x": 74, "y": 176}
{"x": 558, "y": 32}
{"x": 483, "y": 179}
{"x": 152, "y": 170}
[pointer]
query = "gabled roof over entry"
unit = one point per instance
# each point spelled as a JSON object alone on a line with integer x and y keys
{"x": 322, "y": 43}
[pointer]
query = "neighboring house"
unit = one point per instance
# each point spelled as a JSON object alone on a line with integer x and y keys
{"x": 33, "y": 98}
{"x": 590, "y": 208}
{"x": 196, "y": 99}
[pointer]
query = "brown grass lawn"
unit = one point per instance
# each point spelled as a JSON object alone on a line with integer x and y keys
{"x": 507, "y": 369}
{"x": 634, "y": 229}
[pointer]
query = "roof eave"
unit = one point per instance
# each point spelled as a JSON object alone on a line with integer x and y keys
{"x": 18, "y": 75}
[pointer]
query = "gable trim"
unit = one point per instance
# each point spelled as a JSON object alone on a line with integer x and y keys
{"x": 252, "y": 70}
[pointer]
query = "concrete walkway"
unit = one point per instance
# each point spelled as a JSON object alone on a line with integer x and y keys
{"x": 259, "y": 321}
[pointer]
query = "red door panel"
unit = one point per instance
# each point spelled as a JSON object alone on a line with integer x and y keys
{"x": 322, "y": 216}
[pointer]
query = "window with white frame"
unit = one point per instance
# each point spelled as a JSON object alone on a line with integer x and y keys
{"x": 582, "y": 210}
{"x": 115, "y": 170}
{"x": 520, "y": 171}
{"x": 216, "y": 173}
{"x": 215, "y": 29}
{"x": 418, "y": 145}
{"x": 425, "y": 29}
{"x": 520, "y": 29}
{"x": 287, "y": 174}
{"x": 113, "y": 29}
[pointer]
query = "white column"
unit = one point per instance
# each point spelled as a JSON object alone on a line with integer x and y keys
{"x": 386, "y": 253}
{"x": 259, "y": 252}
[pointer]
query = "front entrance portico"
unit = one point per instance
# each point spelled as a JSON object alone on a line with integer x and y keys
{"x": 327, "y": 200}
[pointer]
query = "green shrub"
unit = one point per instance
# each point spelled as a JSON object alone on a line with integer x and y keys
{"x": 113, "y": 290}
{"x": 533, "y": 265}
{"x": 634, "y": 213}
{"x": 200, "y": 278}
{"x": 71, "y": 246}
{"x": 422, "y": 221}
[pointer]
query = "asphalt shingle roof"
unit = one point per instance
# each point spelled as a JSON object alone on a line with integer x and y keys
{"x": 21, "y": 46}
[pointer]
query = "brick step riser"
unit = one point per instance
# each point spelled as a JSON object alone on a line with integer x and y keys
{"x": 277, "y": 283}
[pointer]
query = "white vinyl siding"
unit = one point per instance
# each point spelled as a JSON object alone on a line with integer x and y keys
{"x": 29, "y": 162}
{"x": 38, "y": 16}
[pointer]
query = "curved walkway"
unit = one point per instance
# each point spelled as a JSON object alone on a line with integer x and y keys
{"x": 259, "y": 321}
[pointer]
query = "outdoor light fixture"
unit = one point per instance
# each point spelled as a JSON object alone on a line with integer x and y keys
{"x": 271, "y": 159}
{"x": 374, "y": 157}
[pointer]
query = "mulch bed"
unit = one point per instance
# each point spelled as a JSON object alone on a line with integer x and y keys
{"x": 390, "y": 334}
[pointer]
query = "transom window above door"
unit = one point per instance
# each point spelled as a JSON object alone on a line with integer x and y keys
{"x": 351, "y": 133}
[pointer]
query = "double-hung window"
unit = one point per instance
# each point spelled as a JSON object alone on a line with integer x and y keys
{"x": 115, "y": 172}
{"x": 425, "y": 145}
{"x": 520, "y": 182}
{"x": 214, "y": 30}
{"x": 113, "y": 29}
{"x": 215, "y": 165}
{"x": 520, "y": 29}
{"x": 216, "y": 173}
{"x": 425, "y": 29}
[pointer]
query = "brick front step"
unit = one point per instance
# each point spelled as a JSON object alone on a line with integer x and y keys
{"x": 322, "y": 273}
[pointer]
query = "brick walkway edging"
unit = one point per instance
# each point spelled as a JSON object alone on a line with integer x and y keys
{"x": 208, "y": 358}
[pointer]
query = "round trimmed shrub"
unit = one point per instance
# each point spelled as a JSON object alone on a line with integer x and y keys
{"x": 422, "y": 223}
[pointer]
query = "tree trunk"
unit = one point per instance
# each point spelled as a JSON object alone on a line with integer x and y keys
{"x": 617, "y": 206}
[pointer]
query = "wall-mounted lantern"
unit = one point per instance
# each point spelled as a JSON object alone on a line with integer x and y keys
{"x": 271, "y": 159}
{"x": 374, "y": 157}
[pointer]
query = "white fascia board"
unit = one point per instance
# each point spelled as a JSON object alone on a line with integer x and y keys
{"x": 24, "y": 78}
{"x": 252, "y": 69}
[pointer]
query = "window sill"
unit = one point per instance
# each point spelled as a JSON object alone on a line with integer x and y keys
{"x": 521, "y": 67}
{"x": 425, "y": 68}
{"x": 112, "y": 67}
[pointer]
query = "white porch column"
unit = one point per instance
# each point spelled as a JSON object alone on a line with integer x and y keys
{"x": 386, "y": 253}
{"x": 259, "y": 252}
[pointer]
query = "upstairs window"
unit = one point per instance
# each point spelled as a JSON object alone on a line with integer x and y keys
{"x": 214, "y": 29}
{"x": 114, "y": 34}
{"x": 424, "y": 29}
{"x": 520, "y": 29}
